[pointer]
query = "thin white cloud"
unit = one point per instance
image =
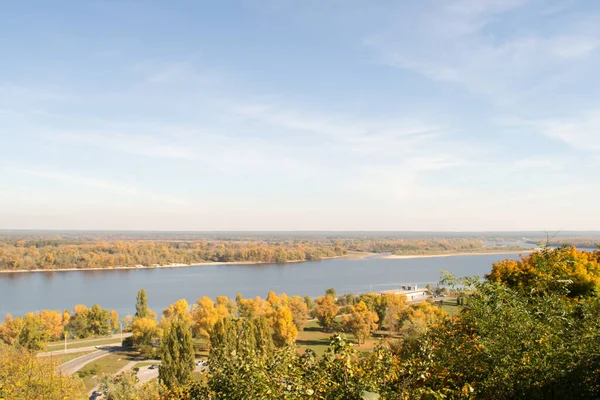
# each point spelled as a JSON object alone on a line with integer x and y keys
{"x": 174, "y": 73}
{"x": 470, "y": 8}
{"x": 583, "y": 134}
{"x": 346, "y": 132}
{"x": 452, "y": 44}
{"x": 131, "y": 143}
{"x": 104, "y": 186}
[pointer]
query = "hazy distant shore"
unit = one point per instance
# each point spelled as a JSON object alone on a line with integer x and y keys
{"x": 179, "y": 265}
{"x": 479, "y": 253}
{"x": 353, "y": 255}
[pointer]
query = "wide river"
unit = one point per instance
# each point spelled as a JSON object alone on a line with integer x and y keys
{"x": 116, "y": 289}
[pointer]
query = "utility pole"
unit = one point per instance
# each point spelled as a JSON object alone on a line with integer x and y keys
{"x": 65, "y": 341}
{"x": 121, "y": 325}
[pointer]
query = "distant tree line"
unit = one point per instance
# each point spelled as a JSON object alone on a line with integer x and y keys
{"x": 34, "y": 330}
{"x": 57, "y": 254}
{"x": 582, "y": 242}
{"x": 47, "y": 253}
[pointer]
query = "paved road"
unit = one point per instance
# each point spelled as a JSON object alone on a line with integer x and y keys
{"x": 71, "y": 351}
{"x": 70, "y": 367}
{"x": 94, "y": 392}
{"x": 115, "y": 336}
{"x": 145, "y": 373}
{"x": 88, "y": 348}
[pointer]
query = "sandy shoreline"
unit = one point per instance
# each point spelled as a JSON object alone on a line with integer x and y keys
{"x": 482, "y": 253}
{"x": 176, "y": 265}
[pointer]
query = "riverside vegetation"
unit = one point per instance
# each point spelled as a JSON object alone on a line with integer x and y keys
{"x": 54, "y": 253}
{"x": 529, "y": 330}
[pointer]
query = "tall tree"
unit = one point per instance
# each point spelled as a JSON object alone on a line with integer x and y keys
{"x": 299, "y": 311}
{"x": 99, "y": 321}
{"x": 32, "y": 335}
{"x": 361, "y": 321}
{"x": 376, "y": 303}
{"x": 178, "y": 310}
{"x": 204, "y": 317}
{"x": 141, "y": 305}
{"x": 10, "y": 329}
{"x": 177, "y": 353}
{"x": 309, "y": 302}
{"x": 284, "y": 329}
{"x": 25, "y": 376}
{"x": 330, "y": 292}
{"x": 325, "y": 311}
{"x": 145, "y": 331}
{"x": 273, "y": 299}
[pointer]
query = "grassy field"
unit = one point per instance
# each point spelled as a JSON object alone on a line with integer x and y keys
{"x": 200, "y": 348}
{"x": 450, "y": 306}
{"x": 144, "y": 364}
{"x": 60, "y": 359}
{"x": 313, "y": 337}
{"x": 79, "y": 345}
{"x": 109, "y": 365}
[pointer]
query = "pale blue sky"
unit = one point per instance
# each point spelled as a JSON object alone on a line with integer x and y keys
{"x": 300, "y": 115}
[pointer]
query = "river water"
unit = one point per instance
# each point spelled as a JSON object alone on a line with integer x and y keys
{"x": 116, "y": 289}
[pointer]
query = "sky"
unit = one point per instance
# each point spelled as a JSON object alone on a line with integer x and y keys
{"x": 300, "y": 115}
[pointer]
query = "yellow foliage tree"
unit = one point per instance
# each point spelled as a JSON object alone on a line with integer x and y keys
{"x": 145, "y": 331}
{"x": 325, "y": 311}
{"x": 178, "y": 310}
{"x": 79, "y": 309}
{"x": 272, "y": 299}
{"x": 361, "y": 322}
{"x": 284, "y": 329}
{"x": 114, "y": 320}
{"x": 205, "y": 315}
{"x": 396, "y": 305}
{"x": 299, "y": 311}
{"x": 224, "y": 303}
{"x": 418, "y": 318}
{"x": 25, "y": 376}
{"x": 563, "y": 267}
{"x": 52, "y": 323}
{"x": 252, "y": 308}
{"x": 11, "y": 328}
{"x": 66, "y": 317}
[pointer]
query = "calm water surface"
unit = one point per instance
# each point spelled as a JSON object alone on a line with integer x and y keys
{"x": 116, "y": 289}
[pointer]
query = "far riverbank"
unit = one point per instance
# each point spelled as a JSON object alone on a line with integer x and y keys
{"x": 353, "y": 255}
{"x": 481, "y": 253}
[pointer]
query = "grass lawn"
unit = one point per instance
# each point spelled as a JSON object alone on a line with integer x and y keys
{"x": 144, "y": 364}
{"x": 78, "y": 345}
{"x": 63, "y": 358}
{"x": 450, "y": 306}
{"x": 200, "y": 348}
{"x": 109, "y": 365}
{"x": 197, "y": 375}
{"x": 313, "y": 337}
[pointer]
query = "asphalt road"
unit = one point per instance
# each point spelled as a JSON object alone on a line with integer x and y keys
{"x": 145, "y": 373}
{"x": 88, "y": 348}
{"x": 70, "y": 367}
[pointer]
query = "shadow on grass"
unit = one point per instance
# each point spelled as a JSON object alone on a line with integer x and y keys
{"x": 312, "y": 342}
{"x": 314, "y": 329}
